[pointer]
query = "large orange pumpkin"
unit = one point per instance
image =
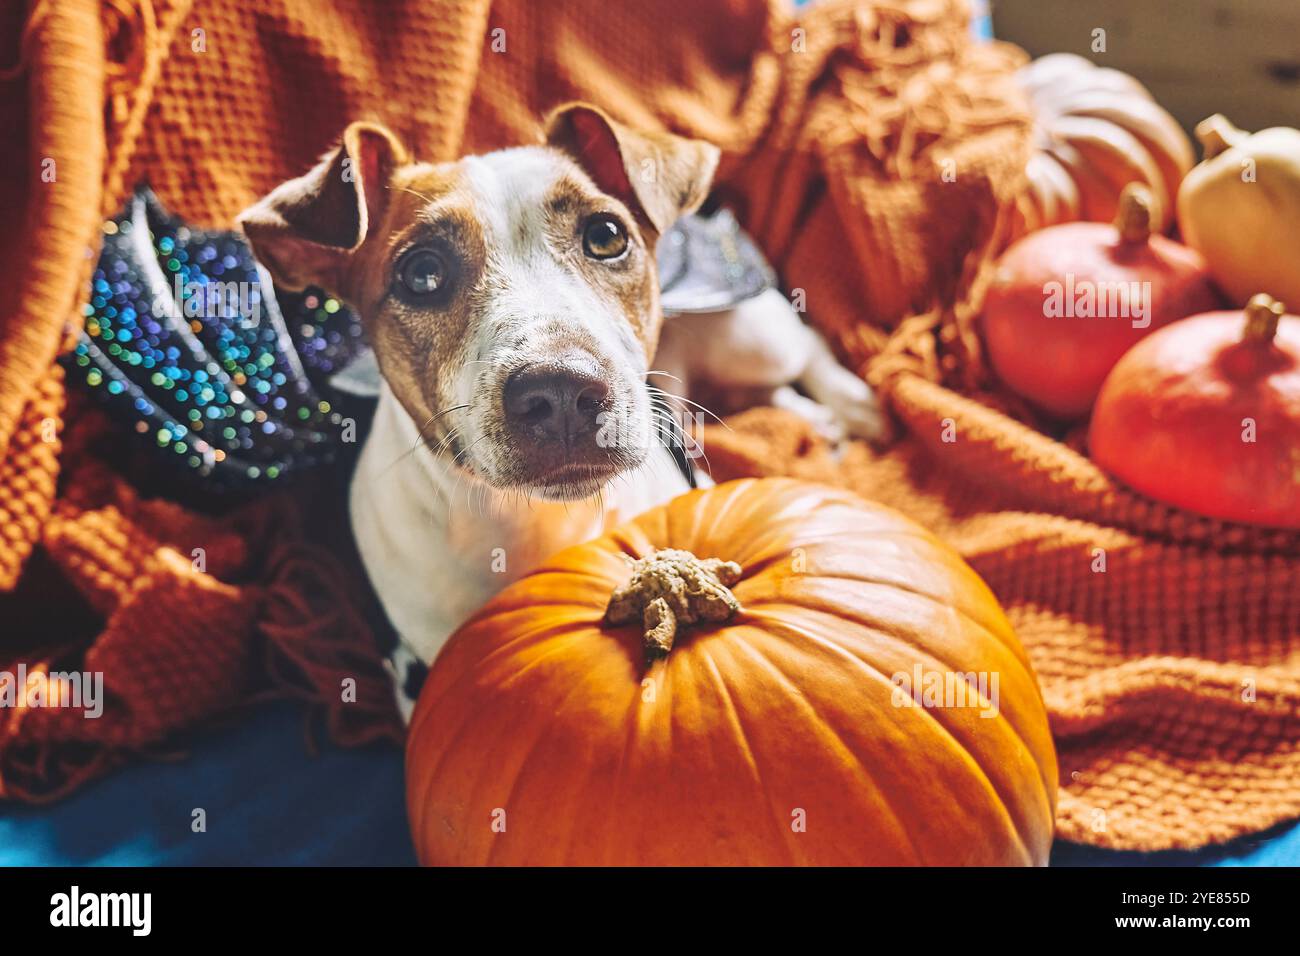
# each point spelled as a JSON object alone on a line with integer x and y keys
{"x": 797, "y": 732}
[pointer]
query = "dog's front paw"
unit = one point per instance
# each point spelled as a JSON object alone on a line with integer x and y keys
{"x": 821, "y": 417}
{"x": 849, "y": 401}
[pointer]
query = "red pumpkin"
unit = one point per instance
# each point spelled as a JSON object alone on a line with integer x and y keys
{"x": 1066, "y": 302}
{"x": 1205, "y": 415}
{"x": 789, "y": 733}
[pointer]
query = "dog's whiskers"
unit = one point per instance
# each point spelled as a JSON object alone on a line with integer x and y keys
{"x": 434, "y": 418}
{"x": 673, "y": 397}
{"x": 655, "y": 371}
{"x": 446, "y": 441}
{"x": 460, "y": 474}
{"x": 671, "y": 434}
{"x": 419, "y": 195}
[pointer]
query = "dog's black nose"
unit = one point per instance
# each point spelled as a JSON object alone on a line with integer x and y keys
{"x": 558, "y": 401}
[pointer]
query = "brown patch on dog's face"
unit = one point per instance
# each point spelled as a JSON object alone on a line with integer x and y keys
{"x": 513, "y": 307}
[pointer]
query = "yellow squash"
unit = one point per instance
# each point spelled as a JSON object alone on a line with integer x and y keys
{"x": 1240, "y": 208}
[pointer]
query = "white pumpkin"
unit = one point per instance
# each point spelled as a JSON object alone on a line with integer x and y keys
{"x": 1240, "y": 209}
{"x": 1096, "y": 131}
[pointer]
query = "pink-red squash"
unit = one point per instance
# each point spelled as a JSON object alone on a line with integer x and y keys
{"x": 1066, "y": 302}
{"x": 1205, "y": 415}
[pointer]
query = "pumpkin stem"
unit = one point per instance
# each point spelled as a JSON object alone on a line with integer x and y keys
{"x": 1216, "y": 134}
{"x": 1136, "y": 213}
{"x": 1262, "y": 315}
{"x": 670, "y": 589}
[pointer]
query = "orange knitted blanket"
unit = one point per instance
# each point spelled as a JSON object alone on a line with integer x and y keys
{"x": 1168, "y": 645}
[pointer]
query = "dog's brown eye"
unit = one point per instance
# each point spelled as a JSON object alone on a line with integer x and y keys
{"x": 422, "y": 272}
{"x": 604, "y": 238}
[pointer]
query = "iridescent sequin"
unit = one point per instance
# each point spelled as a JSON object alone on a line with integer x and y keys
{"x": 185, "y": 339}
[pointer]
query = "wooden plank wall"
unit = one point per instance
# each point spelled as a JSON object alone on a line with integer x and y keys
{"x": 1236, "y": 57}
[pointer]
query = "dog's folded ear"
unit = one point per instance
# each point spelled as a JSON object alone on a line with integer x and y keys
{"x": 305, "y": 229}
{"x": 659, "y": 176}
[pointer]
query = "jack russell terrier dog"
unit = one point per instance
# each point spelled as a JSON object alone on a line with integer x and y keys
{"x": 512, "y": 302}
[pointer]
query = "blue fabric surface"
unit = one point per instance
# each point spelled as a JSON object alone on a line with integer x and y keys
{"x": 269, "y": 801}
{"x": 1277, "y": 847}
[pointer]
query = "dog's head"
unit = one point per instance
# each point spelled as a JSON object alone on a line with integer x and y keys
{"x": 512, "y": 299}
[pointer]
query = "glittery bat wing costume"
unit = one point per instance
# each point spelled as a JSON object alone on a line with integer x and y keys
{"x": 191, "y": 349}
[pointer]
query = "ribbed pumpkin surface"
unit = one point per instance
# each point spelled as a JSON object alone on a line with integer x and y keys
{"x": 542, "y": 736}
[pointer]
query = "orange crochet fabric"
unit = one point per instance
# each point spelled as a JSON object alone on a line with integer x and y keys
{"x": 836, "y": 129}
